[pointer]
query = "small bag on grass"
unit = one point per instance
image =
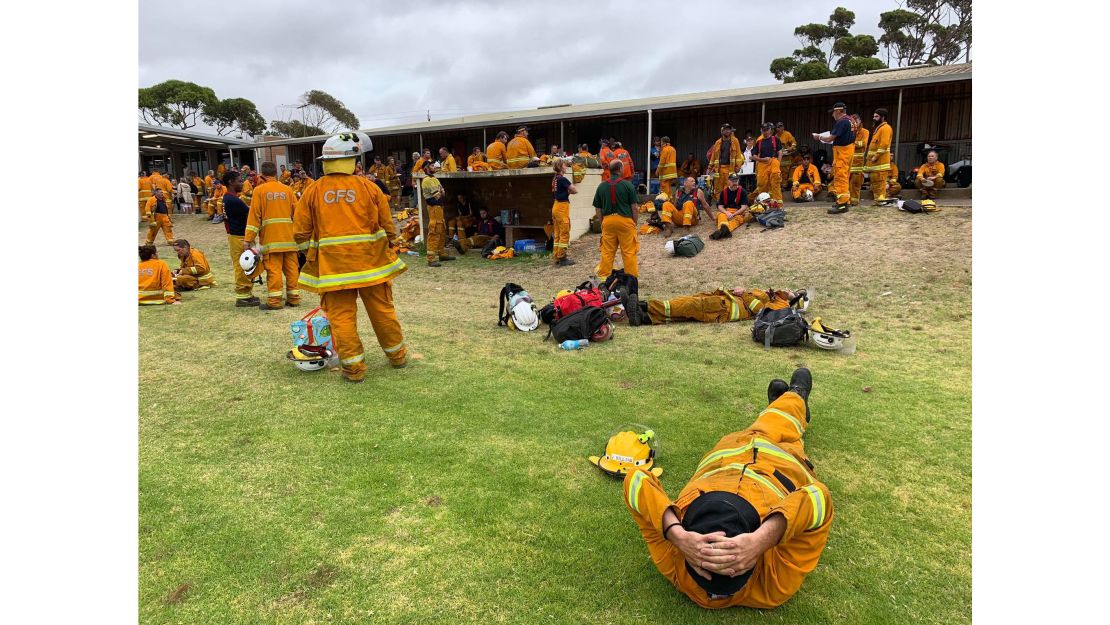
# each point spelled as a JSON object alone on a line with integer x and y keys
{"x": 581, "y": 324}
{"x": 779, "y": 328}
{"x": 688, "y": 246}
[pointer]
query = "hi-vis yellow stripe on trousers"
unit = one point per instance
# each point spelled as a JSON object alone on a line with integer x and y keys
{"x": 820, "y": 506}
{"x": 634, "y": 490}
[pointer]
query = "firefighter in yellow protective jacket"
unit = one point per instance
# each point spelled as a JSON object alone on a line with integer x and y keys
{"x": 343, "y": 224}
{"x": 520, "y": 153}
{"x": 767, "y": 154}
{"x": 725, "y": 157}
{"x": 855, "y": 182}
{"x": 930, "y": 176}
{"x": 752, "y": 522}
{"x": 878, "y": 156}
{"x": 447, "y": 161}
{"x": 805, "y": 182}
{"x": 271, "y": 222}
{"x": 790, "y": 157}
{"x": 155, "y": 278}
{"x": 158, "y": 215}
{"x": 495, "y": 152}
{"x": 195, "y": 273}
{"x": 146, "y": 190}
{"x": 842, "y": 139}
{"x": 667, "y": 171}
{"x": 393, "y": 183}
{"x": 436, "y": 234}
{"x": 720, "y": 306}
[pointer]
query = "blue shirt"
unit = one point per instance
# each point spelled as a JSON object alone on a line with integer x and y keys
{"x": 842, "y": 132}
{"x": 767, "y": 147}
{"x": 560, "y": 189}
{"x": 235, "y": 215}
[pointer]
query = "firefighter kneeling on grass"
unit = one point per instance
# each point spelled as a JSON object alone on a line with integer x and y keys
{"x": 752, "y": 522}
{"x": 343, "y": 224}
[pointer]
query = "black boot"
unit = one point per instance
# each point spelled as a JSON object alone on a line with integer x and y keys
{"x": 802, "y": 383}
{"x": 775, "y": 390}
{"x": 645, "y": 318}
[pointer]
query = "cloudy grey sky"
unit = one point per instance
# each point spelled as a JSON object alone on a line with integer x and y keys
{"x": 390, "y": 61}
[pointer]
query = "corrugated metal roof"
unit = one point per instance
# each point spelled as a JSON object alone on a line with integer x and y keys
{"x": 177, "y": 133}
{"x": 877, "y": 80}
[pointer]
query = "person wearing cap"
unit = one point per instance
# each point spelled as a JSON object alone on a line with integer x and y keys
{"x": 752, "y": 522}
{"x": 720, "y": 306}
{"x": 725, "y": 157}
{"x": 495, "y": 151}
{"x": 146, "y": 190}
{"x": 667, "y": 171}
{"x": 842, "y": 139}
{"x": 520, "y": 153}
{"x": 344, "y": 226}
{"x": 855, "y": 182}
{"x": 436, "y": 234}
{"x": 614, "y": 202}
{"x": 878, "y": 156}
{"x": 561, "y": 190}
{"x": 790, "y": 158}
{"x": 732, "y": 209}
{"x": 805, "y": 177}
{"x": 767, "y": 154}
{"x": 378, "y": 169}
{"x": 930, "y": 177}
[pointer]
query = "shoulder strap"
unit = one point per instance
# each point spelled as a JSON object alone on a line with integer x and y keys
{"x": 613, "y": 195}
{"x": 502, "y": 300}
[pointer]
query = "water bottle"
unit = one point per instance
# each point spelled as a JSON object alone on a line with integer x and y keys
{"x": 570, "y": 344}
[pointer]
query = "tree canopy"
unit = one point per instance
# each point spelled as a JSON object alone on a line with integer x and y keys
{"x": 294, "y": 128}
{"x": 234, "y": 114}
{"x": 174, "y": 103}
{"x": 927, "y": 31}
{"x": 920, "y": 31}
{"x": 324, "y": 111}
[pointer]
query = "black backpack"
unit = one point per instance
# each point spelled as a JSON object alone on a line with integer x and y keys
{"x": 779, "y": 328}
{"x": 580, "y": 324}
{"x": 507, "y": 292}
{"x": 627, "y": 288}
{"x": 911, "y": 206}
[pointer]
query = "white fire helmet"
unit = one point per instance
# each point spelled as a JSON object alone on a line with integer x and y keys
{"x": 763, "y": 197}
{"x": 524, "y": 317}
{"x": 345, "y": 145}
{"x": 825, "y": 337}
{"x": 249, "y": 260}
{"x": 808, "y": 194}
{"x": 669, "y": 246}
{"x": 310, "y": 357}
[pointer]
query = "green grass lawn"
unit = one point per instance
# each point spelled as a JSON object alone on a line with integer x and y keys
{"x": 458, "y": 491}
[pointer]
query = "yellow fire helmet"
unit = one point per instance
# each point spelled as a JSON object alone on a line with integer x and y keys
{"x": 563, "y": 292}
{"x": 627, "y": 451}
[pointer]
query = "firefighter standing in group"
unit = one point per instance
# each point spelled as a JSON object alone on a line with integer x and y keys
{"x": 271, "y": 221}
{"x": 344, "y": 225}
{"x": 842, "y": 139}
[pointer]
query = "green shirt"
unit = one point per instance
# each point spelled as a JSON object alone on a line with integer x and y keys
{"x": 626, "y": 198}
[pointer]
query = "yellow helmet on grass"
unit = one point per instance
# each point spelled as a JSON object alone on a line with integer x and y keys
{"x": 627, "y": 451}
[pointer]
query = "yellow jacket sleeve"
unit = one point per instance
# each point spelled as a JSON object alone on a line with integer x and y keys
{"x": 794, "y": 177}
{"x": 167, "y": 284}
{"x": 807, "y": 509}
{"x": 303, "y": 226}
{"x": 254, "y": 219}
{"x": 646, "y": 500}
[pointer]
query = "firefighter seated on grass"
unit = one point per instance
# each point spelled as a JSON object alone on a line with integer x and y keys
{"x": 752, "y": 522}
{"x": 195, "y": 273}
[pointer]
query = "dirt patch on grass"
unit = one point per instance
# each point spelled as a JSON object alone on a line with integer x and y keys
{"x": 434, "y": 501}
{"x": 177, "y": 595}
